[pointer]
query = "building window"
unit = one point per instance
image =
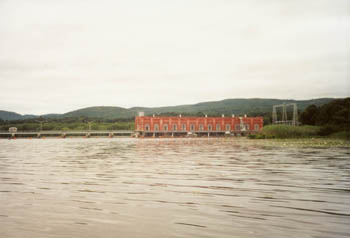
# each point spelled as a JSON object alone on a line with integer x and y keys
{"x": 256, "y": 127}
{"x": 192, "y": 127}
{"x": 210, "y": 127}
{"x": 147, "y": 127}
{"x": 247, "y": 127}
{"x": 165, "y": 127}
{"x": 228, "y": 127}
{"x": 156, "y": 127}
{"x": 184, "y": 127}
{"x": 174, "y": 127}
{"x": 201, "y": 127}
{"x": 238, "y": 127}
{"x": 218, "y": 127}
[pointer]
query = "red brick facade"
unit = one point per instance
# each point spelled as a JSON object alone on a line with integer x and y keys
{"x": 149, "y": 124}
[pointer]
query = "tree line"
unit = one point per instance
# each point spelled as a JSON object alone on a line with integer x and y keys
{"x": 330, "y": 117}
{"x": 67, "y": 124}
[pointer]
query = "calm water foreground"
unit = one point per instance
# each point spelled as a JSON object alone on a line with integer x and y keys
{"x": 172, "y": 188}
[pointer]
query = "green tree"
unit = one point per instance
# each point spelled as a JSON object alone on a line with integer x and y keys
{"x": 310, "y": 115}
{"x": 337, "y": 112}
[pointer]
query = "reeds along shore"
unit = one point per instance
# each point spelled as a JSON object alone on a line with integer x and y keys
{"x": 285, "y": 132}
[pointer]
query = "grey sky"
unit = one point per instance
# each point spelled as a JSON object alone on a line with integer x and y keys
{"x": 57, "y": 56}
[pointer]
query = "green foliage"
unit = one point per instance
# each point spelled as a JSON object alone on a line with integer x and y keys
{"x": 328, "y": 129}
{"x": 341, "y": 135}
{"x": 336, "y": 112}
{"x": 333, "y": 117}
{"x": 56, "y": 125}
{"x": 260, "y": 136}
{"x": 257, "y": 136}
{"x": 306, "y": 131}
{"x": 310, "y": 115}
{"x": 285, "y": 131}
{"x": 252, "y": 136}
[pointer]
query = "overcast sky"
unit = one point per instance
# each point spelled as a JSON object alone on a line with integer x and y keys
{"x": 57, "y": 56}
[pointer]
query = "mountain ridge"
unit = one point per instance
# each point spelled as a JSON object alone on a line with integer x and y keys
{"x": 238, "y": 106}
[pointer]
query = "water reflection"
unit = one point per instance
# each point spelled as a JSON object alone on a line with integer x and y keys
{"x": 171, "y": 188}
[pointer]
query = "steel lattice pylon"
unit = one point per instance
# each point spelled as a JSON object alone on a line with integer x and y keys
{"x": 284, "y": 119}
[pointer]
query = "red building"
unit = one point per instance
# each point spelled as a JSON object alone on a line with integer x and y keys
{"x": 177, "y": 126}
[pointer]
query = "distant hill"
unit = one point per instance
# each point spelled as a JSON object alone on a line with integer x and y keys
{"x": 227, "y": 107}
{"x": 101, "y": 112}
{"x": 232, "y": 106}
{"x": 6, "y": 115}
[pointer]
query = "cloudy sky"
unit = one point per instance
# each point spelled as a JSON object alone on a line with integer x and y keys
{"x": 57, "y": 56}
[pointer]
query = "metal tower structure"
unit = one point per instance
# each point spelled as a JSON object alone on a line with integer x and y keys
{"x": 284, "y": 120}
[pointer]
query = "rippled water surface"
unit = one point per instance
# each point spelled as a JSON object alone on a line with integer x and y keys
{"x": 171, "y": 188}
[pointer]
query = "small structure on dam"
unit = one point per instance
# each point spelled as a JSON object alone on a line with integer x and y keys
{"x": 12, "y": 129}
{"x": 196, "y": 126}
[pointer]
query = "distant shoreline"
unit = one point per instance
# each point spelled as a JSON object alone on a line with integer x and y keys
{"x": 283, "y": 143}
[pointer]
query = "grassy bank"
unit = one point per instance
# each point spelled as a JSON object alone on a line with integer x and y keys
{"x": 289, "y": 132}
{"x": 284, "y": 131}
{"x": 341, "y": 135}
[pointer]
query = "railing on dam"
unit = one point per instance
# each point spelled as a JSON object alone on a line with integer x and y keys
{"x": 110, "y": 133}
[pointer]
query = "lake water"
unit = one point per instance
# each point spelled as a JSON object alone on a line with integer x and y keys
{"x": 125, "y": 187}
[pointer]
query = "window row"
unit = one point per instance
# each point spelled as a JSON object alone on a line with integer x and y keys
{"x": 201, "y": 127}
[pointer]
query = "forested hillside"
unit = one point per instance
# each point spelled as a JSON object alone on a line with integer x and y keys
{"x": 254, "y": 106}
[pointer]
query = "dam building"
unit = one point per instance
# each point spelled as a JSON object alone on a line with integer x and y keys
{"x": 196, "y": 126}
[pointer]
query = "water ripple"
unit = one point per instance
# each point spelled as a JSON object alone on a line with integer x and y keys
{"x": 215, "y": 187}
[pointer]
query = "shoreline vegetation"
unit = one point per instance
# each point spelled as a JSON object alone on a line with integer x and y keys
{"x": 331, "y": 120}
{"x": 68, "y": 124}
{"x": 300, "y": 136}
{"x": 328, "y": 123}
{"x": 301, "y": 132}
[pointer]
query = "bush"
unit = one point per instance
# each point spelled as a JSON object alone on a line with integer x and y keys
{"x": 327, "y": 130}
{"x": 285, "y": 131}
{"x": 341, "y": 135}
{"x": 260, "y": 136}
{"x": 251, "y": 136}
{"x": 256, "y": 136}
